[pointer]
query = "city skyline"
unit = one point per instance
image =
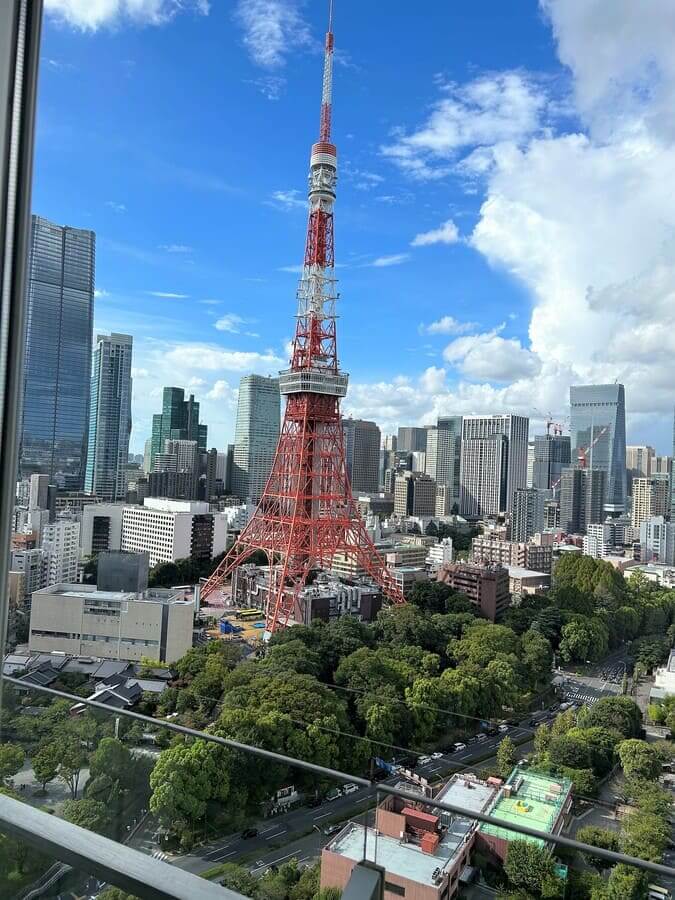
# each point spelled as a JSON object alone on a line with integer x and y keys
{"x": 452, "y": 220}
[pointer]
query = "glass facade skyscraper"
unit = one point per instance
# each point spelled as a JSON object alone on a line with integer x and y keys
{"x": 178, "y": 421}
{"x": 552, "y": 454}
{"x": 57, "y": 370}
{"x": 109, "y": 417}
{"x": 598, "y": 430}
{"x": 256, "y": 435}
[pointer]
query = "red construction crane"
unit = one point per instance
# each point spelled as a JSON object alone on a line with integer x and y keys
{"x": 307, "y": 513}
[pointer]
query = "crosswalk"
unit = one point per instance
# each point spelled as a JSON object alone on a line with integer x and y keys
{"x": 158, "y": 854}
{"x": 581, "y": 696}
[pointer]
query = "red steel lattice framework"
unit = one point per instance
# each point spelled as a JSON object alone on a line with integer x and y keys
{"x": 307, "y": 513}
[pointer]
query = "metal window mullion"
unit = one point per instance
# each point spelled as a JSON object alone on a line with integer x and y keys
{"x": 20, "y": 22}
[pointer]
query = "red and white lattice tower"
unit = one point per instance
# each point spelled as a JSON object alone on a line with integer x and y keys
{"x": 307, "y": 513}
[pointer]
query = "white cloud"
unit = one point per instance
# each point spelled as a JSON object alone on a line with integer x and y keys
{"x": 446, "y": 233}
{"x": 175, "y": 248}
{"x": 489, "y": 357}
{"x": 273, "y": 29}
{"x": 232, "y": 323}
{"x": 211, "y": 302}
{"x": 294, "y": 270}
{"x": 221, "y": 390}
{"x": 115, "y": 206}
{"x": 394, "y": 260}
{"x": 211, "y": 358}
{"x": 270, "y": 86}
{"x": 287, "y": 200}
{"x": 100, "y": 293}
{"x": 89, "y": 15}
{"x": 168, "y": 295}
{"x": 139, "y": 373}
{"x": 508, "y": 106}
{"x": 446, "y": 325}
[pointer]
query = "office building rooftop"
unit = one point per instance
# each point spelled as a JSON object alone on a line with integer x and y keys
{"x": 531, "y": 799}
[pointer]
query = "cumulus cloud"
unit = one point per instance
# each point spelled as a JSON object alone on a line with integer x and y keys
{"x": 287, "y": 200}
{"x": 490, "y": 357}
{"x": 211, "y": 358}
{"x": 231, "y": 322}
{"x": 507, "y": 106}
{"x": 447, "y": 233}
{"x": 90, "y": 15}
{"x": 446, "y": 325}
{"x": 582, "y": 217}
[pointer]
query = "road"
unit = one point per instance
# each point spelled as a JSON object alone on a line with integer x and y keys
{"x": 286, "y": 836}
{"x": 588, "y": 685}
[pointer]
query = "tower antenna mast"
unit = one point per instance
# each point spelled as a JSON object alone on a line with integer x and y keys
{"x": 307, "y": 517}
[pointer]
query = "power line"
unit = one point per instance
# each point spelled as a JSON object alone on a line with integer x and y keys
{"x": 326, "y": 772}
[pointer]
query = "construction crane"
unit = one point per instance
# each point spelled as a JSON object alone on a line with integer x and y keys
{"x": 584, "y": 451}
{"x": 550, "y": 422}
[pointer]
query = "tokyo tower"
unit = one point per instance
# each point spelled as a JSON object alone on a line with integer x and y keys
{"x": 307, "y": 513}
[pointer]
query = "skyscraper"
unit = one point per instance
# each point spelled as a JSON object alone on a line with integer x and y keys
{"x": 491, "y": 472}
{"x": 57, "y": 369}
{"x": 528, "y": 513}
{"x": 552, "y": 453}
{"x": 444, "y": 452}
{"x": 178, "y": 421}
{"x": 650, "y": 498}
{"x": 598, "y": 432}
{"x": 411, "y": 440}
{"x": 582, "y": 498}
{"x": 362, "y": 453}
{"x": 256, "y": 435}
{"x": 109, "y": 417}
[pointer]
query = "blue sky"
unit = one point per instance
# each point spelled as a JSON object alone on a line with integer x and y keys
{"x": 504, "y": 223}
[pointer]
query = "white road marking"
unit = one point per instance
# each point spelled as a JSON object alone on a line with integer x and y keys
{"x": 283, "y": 831}
{"x": 322, "y": 816}
{"x": 231, "y": 853}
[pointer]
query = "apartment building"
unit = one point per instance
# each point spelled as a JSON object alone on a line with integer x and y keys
{"x": 173, "y": 529}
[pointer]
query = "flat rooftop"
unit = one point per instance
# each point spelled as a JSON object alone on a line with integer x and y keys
{"x": 537, "y": 804}
{"x": 522, "y": 572}
{"x": 473, "y": 796}
{"x": 406, "y": 860}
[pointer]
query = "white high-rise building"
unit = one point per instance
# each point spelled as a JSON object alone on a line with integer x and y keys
{"x": 61, "y": 540}
{"x": 173, "y": 529}
{"x": 34, "y": 564}
{"x": 256, "y": 435}
{"x": 657, "y": 541}
{"x": 494, "y": 463}
{"x": 598, "y": 540}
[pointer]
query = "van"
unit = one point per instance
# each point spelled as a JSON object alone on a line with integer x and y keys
{"x": 349, "y": 788}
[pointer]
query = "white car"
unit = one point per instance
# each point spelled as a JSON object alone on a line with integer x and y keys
{"x": 503, "y": 728}
{"x": 459, "y": 746}
{"x": 423, "y": 760}
{"x": 349, "y": 788}
{"x": 437, "y": 755}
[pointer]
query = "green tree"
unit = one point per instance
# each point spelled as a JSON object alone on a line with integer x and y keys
{"x": 625, "y": 883}
{"x": 528, "y": 866}
{"x": 638, "y": 759}
{"x": 89, "y": 814}
{"x": 598, "y": 837}
{"x": 46, "y": 763}
{"x": 238, "y": 878}
{"x": 11, "y": 760}
{"x": 602, "y": 743}
{"x": 563, "y": 722}
{"x": 584, "y": 639}
{"x": 617, "y": 713}
{"x": 72, "y": 758}
{"x": 506, "y": 756}
{"x": 113, "y": 759}
{"x": 542, "y": 738}
{"x": 537, "y": 656}
{"x": 570, "y": 751}
{"x": 114, "y": 893}
{"x": 645, "y": 835}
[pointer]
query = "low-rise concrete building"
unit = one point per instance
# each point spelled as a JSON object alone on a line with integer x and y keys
{"x": 528, "y": 555}
{"x": 80, "y": 620}
{"x": 526, "y": 581}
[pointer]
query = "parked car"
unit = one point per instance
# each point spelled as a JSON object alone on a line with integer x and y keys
{"x": 333, "y": 795}
{"x": 332, "y": 829}
{"x": 423, "y": 760}
{"x": 313, "y": 802}
{"x": 437, "y": 755}
{"x": 349, "y": 788}
{"x": 459, "y": 746}
{"x": 249, "y": 833}
{"x": 503, "y": 728}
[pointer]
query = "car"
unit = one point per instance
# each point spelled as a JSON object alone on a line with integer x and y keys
{"x": 503, "y": 728}
{"x": 349, "y": 788}
{"x": 333, "y": 795}
{"x": 313, "y": 802}
{"x": 249, "y": 833}
{"x": 331, "y": 829}
{"x": 459, "y": 746}
{"x": 481, "y": 737}
{"x": 437, "y": 755}
{"x": 423, "y": 760}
